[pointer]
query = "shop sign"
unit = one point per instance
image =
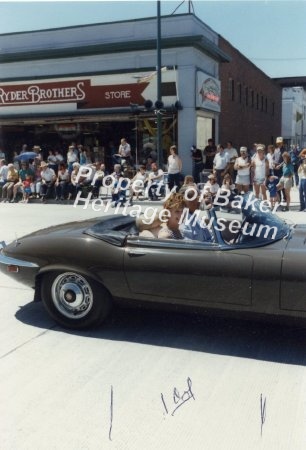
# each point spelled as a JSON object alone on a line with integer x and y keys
{"x": 81, "y": 92}
{"x": 208, "y": 94}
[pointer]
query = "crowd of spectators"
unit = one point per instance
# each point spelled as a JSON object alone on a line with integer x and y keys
{"x": 271, "y": 170}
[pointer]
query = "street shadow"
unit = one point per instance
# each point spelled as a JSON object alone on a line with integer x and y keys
{"x": 264, "y": 341}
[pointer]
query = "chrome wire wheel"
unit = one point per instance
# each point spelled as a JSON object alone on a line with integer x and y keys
{"x": 72, "y": 295}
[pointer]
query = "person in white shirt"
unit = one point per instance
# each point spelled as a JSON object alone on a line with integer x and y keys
{"x": 174, "y": 168}
{"x": 220, "y": 164}
{"x": 48, "y": 178}
{"x": 260, "y": 167}
{"x": 156, "y": 177}
{"x": 242, "y": 165}
{"x": 210, "y": 190}
{"x": 138, "y": 183}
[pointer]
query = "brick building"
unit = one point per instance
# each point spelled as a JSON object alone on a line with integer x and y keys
{"x": 251, "y": 102}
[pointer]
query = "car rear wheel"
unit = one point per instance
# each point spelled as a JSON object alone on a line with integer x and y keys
{"x": 74, "y": 300}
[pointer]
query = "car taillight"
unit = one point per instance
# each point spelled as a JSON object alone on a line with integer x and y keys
{"x": 12, "y": 268}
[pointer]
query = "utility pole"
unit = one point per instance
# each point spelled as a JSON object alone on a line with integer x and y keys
{"x": 160, "y": 158}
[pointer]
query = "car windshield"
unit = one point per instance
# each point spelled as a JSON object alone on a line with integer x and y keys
{"x": 259, "y": 224}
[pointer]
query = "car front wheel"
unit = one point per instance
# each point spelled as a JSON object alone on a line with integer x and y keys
{"x": 74, "y": 300}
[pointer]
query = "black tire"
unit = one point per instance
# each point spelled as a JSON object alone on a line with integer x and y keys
{"x": 74, "y": 300}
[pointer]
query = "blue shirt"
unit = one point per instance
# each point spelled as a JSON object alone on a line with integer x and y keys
{"x": 194, "y": 231}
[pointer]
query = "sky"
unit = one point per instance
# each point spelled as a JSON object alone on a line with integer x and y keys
{"x": 270, "y": 33}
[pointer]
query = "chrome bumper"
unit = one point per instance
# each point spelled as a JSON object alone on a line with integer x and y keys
{"x": 8, "y": 261}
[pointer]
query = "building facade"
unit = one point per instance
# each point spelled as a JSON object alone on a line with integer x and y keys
{"x": 251, "y": 107}
{"x": 95, "y": 84}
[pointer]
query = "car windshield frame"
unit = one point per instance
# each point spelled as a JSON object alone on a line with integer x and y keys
{"x": 260, "y": 225}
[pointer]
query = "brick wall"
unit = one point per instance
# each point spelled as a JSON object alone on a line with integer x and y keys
{"x": 251, "y": 102}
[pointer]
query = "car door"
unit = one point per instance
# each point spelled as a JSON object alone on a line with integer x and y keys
{"x": 187, "y": 271}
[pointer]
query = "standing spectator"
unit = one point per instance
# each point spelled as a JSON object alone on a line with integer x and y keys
{"x": 124, "y": 152}
{"x": 271, "y": 158}
{"x": 278, "y": 160}
{"x": 294, "y": 156}
{"x": 302, "y": 176}
{"x": 59, "y": 157}
{"x": 156, "y": 177}
{"x": 242, "y": 166}
{"x": 2, "y": 154}
{"x": 253, "y": 151}
{"x": 197, "y": 158}
{"x": 52, "y": 161}
{"x": 209, "y": 153}
{"x": 71, "y": 158}
{"x": 286, "y": 180}
{"x": 233, "y": 155}
{"x": 24, "y": 149}
{"x": 260, "y": 167}
{"x": 11, "y": 180}
{"x": 48, "y": 178}
{"x": 221, "y": 164}
{"x": 174, "y": 168}
{"x": 271, "y": 185}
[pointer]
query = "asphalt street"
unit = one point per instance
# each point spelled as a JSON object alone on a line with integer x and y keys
{"x": 145, "y": 380}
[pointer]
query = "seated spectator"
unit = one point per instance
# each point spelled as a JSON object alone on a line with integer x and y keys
{"x": 23, "y": 172}
{"x": 210, "y": 190}
{"x": 98, "y": 178}
{"x": 62, "y": 182}
{"x": 48, "y": 178}
{"x": 190, "y": 228}
{"x": 73, "y": 185}
{"x": 119, "y": 191}
{"x": 11, "y": 180}
{"x": 36, "y": 183}
{"x": 188, "y": 182}
{"x": 155, "y": 179}
{"x": 228, "y": 186}
{"x": 3, "y": 173}
{"x": 175, "y": 205}
{"x": 138, "y": 183}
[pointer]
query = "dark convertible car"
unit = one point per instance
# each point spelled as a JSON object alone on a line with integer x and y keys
{"x": 254, "y": 265}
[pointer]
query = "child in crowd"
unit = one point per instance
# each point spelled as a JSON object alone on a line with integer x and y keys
{"x": 27, "y": 188}
{"x": 271, "y": 185}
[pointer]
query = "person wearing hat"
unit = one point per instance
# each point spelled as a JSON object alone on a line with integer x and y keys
{"x": 48, "y": 178}
{"x": 242, "y": 166}
{"x": 210, "y": 189}
{"x": 260, "y": 168}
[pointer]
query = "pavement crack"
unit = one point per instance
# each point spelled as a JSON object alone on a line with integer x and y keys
{"x": 27, "y": 342}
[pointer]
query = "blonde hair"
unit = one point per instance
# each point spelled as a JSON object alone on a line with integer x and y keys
{"x": 175, "y": 201}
